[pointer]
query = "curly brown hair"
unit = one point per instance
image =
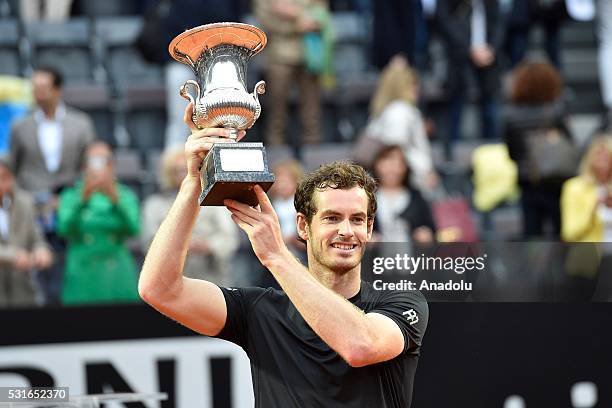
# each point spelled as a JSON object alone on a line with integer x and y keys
{"x": 342, "y": 175}
{"x": 536, "y": 82}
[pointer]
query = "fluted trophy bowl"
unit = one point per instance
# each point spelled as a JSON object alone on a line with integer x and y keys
{"x": 219, "y": 54}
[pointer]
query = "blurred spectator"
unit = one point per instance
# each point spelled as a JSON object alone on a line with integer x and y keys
{"x": 45, "y": 10}
{"x": 215, "y": 236}
{"x": 494, "y": 177}
{"x": 287, "y": 24}
{"x": 605, "y": 57}
{"x": 473, "y": 32}
{"x": 288, "y": 174}
{"x": 524, "y": 14}
{"x": 586, "y": 215}
{"x": 395, "y": 120}
{"x": 403, "y": 215}
{"x": 396, "y": 26}
{"x": 586, "y": 201}
{"x": 46, "y": 151}
{"x": 23, "y": 249}
{"x": 47, "y": 146}
{"x": 96, "y": 216}
{"x": 540, "y": 142}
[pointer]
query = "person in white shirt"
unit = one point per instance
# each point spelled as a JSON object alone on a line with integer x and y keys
{"x": 396, "y": 120}
{"x": 47, "y": 146}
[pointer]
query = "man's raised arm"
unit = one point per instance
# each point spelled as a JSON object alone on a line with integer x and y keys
{"x": 197, "y": 304}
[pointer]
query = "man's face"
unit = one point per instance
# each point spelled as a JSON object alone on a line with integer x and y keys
{"x": 339, "y": 230}
{"x": 45, "y": 93}
{"x": 6, "y": 181}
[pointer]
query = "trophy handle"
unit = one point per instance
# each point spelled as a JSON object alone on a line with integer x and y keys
{"x": 260, "y": 89}
{"x": 198, "y": 109}
{"x": 184, "y": 91}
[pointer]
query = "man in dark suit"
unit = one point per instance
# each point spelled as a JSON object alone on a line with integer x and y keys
{"x": 473, "y": 33}
{"x": 46, "y": 153}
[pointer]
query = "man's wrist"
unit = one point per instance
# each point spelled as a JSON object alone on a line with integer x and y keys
{"x": 191, "y": 186}
{"x": 279, "y": 262}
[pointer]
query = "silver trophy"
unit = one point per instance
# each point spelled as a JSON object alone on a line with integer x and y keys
{"x": 219, "y": 54}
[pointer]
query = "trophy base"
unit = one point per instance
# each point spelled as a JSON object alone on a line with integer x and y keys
{"x": 230, "y": 171}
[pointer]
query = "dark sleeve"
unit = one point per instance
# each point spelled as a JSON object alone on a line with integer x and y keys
{"x": 495, "y": 25}
{"x": 410, "y": 312}
{"x": 239, "y": 303}
{"x": 513, "y": 137}
{"x": 451, "y": 28}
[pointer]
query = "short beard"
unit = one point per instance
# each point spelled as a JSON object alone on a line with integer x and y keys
{"x": 341, "y": 269}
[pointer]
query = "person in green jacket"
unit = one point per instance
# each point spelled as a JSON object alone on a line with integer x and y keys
{"x": 96, "y": 216}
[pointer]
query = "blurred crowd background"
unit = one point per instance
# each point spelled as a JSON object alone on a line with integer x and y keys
{"x": 483, "y": 120}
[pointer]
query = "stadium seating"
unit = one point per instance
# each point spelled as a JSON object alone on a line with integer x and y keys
{"x": 125, "y": 66}
{"x": 66, "y": 45}
{"x": 9, "y": 48}
{"x": 136, "y": 85}
{"x": 355, "y": 77}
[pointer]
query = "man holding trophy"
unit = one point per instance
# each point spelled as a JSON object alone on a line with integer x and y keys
{"x": 328, "y": 338}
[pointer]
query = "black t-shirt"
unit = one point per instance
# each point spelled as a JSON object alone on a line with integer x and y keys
{"x": 292, "y": 367}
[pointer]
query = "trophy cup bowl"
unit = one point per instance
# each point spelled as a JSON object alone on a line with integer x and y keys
{"x": 219, "y": 54}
